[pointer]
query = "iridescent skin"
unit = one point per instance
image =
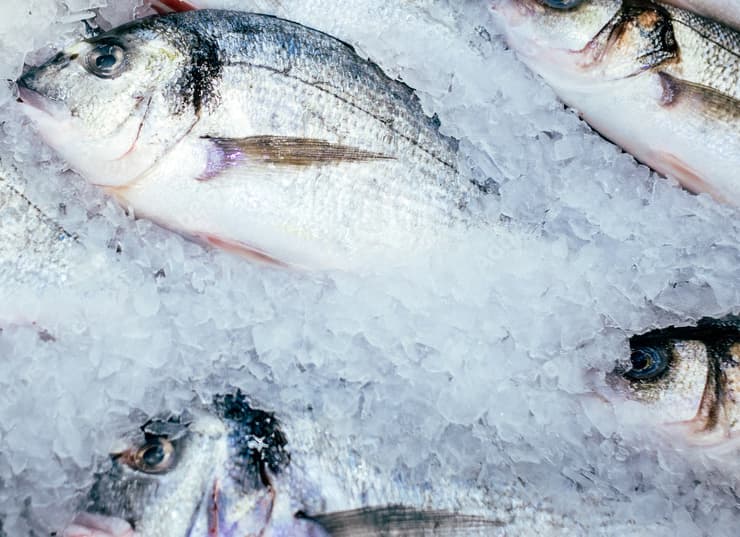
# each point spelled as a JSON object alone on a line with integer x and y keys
{"x": 659, "y": 81}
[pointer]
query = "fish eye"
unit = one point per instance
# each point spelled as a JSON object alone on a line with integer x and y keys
{"x": 105, "y": 60}
{"x": 155, "y": 457}
{"x": 647, "y": 363}
{"x": 562, "y": 4}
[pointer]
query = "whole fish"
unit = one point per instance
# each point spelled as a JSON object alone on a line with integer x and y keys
{"x": 661, "y": 82}
{"x": 726, "y": 11}
{"x": 222, "y": 470}
{"x": 254, "y": 134}
{"x": 688, "y": 377}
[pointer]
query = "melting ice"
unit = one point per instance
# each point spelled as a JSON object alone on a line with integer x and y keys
{"x": 463, "y": 382}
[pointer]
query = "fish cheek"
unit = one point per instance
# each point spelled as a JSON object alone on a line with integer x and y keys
{"x": 117, "y": 493}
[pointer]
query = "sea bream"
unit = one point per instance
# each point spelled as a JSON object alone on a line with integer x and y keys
{"x": 223, "y": 469}
{"x": 687, "y": 378}
{"x": 661, "y": 82}
{"x": 254, "y": 134}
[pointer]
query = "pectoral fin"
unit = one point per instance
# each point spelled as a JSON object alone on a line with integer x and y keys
{"x": 399, "y": 521}
{"x": 281, "y": 151}
{"x": 706, "y": 100}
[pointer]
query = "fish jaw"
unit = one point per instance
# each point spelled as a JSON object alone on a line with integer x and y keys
{"x": 91, "y": 525}
{"x": 103, "y": 164}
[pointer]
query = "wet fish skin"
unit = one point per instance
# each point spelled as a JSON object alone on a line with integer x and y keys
{"x": 189, "y": 85}
{"x": 34, "y": 249}
{"x": 213, "y": 470}
{"x": 725, "y": 11}
{"x": 673, "y": 75}
{"x": 224, "y": 469}
{"x": 687, "y": 378}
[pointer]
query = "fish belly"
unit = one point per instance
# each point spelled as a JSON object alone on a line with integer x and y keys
{"x": 671, "y": 127}
{"x": 318, "y": 216}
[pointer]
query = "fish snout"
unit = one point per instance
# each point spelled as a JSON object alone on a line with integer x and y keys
{"x": 93, "y": 525}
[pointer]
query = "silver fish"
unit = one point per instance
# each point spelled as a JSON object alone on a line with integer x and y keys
{"x": 34, "y": 248}
{"x": 224, "y": 470}
{"x": 687, "y": 378}
{"x": 726, "y": 11}
{"x": 254, "y": 134}
{"x": 661, "y": 82}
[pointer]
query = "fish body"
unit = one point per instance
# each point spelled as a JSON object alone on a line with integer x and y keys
{"x": 726, "y": 11}
{"x": 224, "y": 469}
{"x": 687, "y": 378}
{"x": 252, "y": 133}
{"x": 659, "y": 81}
{"x": 34, "y": 248}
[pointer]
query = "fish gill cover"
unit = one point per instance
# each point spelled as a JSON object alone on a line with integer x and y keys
{"x": 467, "y": 381}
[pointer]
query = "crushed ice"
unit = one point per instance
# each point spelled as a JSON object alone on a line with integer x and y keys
{"x": 466, "y": 382}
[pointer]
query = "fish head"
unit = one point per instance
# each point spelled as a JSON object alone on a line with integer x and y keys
{"x": 582, "y": 43}
{"x": 111, "y": 105}
{"x": 686, "y": 379}
{"x": 215, "y": 471}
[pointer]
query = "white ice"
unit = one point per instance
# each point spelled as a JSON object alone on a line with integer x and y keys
{"x": 465, "y": 382}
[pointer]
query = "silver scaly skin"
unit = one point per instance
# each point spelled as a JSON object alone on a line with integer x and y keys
{"x": 255, "y": 134}
{"x": 661, "y": 82}
{"x": 224, "y": 470}
{"x": 725, "y": 11}
{"x": 34, "y": 249}
{"x": 689, "y": 379}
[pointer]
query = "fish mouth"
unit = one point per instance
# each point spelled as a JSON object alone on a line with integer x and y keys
{"x": 34, "y": 101}
{"x": 92, "y": 525}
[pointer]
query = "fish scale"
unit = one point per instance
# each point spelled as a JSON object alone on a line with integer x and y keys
{"x": 33, "y": 247}
{"x": 709, "y": 53}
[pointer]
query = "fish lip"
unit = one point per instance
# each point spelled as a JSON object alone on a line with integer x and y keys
{"x": 94, "y": 525}
{"x": 35, "y": 100}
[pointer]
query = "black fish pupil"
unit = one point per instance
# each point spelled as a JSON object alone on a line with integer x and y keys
{"x": 640, "y": 361}
{"x": 105, "y": 61}
{"x": 647, "y": 364}
{"x": 153, "y": 456}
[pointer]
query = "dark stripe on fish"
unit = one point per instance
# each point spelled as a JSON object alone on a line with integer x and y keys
{"x": 400, "y": 521}
{"x": 281, "y": 150}
{"x": 387, "y": 121}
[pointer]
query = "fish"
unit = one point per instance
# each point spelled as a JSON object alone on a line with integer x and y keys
{"x": 687, "y": 379}
{"x": 253, "y": 134}
{"x": 223, "y": 469}
{"x": 661, "y": 82}
{"x": 34, "y": 247}
{"x": 725, "y": 11}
